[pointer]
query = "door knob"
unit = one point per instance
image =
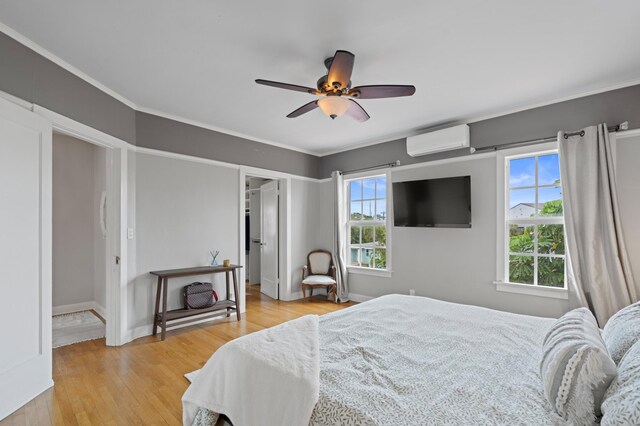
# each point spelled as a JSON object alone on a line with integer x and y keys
{"x": 262, "y": 245}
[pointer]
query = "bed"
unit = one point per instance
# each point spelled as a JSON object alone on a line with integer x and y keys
{"x": 399, "y": 360}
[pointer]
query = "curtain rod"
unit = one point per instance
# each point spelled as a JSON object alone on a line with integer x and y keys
{"x": 380, "y": 166}
{"x": 621, "y": 126}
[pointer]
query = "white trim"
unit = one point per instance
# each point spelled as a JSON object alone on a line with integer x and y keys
{"x": 25, "y": 399}
{"x": 78, "y": 130}
{"x": 79, "y": 307}
{"x": 476, "y": 119}
{"x": 502, "y": 254}
{"x": 18, "y": 101}
{"x": 296, "y": 295}
{"x": 628, "y": 133}
{"x": 354, "y": 297}
{"x": 253, "y": 171}
{"x": 468, "y": 157}
{"x": 400, "y": 135}
{"x": 359, "y": 270}
{"x": 388, "y": 223}
{"x": 532, "y": 290}
{"x": 274, "y": 174}
{"x": 63, "y": 64}
{"x": 100, "y": 310}
{"x": 117, "y": 151}
{"x": 284, "y": 233}
{"x": 147, "y": 330}
{"x": 218, "y": 129}
{"x": 184, "y": 157}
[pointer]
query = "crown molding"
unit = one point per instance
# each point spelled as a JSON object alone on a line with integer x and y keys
{"x": 471, "y": 119}
{"x": 195, "y": 123}
{"x": 475, "y": 119}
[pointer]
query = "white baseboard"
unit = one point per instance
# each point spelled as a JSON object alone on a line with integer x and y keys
{"x": 77, "y": 307}
{"x": 359, "y": 297}
{"x": 20, "y": 399}
{"x": 293, "y": 296}
{"x": 101, "y": 310}
{"x": 147, "y": 330}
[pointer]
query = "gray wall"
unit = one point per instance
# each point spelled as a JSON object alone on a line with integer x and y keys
{"x": 183, "y": 210}
{"x": 308, "y": 227}
{"x": 611, "y": 107}
{"x": 78, "y": 270}
{"x": 29, "y": 76}
{"x": 173, "y": 136}
{"x": 457, "y": 265}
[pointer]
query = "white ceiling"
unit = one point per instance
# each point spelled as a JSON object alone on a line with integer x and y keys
{"x": 198, "y": 59}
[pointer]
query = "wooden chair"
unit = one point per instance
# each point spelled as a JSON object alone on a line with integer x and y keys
{"x": 319, "y": 272}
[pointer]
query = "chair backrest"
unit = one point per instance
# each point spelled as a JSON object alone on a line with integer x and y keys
{"x": 320, "y": 262}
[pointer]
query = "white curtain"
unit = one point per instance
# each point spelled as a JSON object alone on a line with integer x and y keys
{"x": 340, "y": 237}
{"x": 598, "y": 267}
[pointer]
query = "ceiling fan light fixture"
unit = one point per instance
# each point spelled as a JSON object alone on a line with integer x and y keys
{"x": 333, "y": 106}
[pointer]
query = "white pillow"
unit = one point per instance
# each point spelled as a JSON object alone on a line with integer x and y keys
{"x": 621, "y": 404}
{"x": 576, "y": 368}
{"x": 622, "y": 331}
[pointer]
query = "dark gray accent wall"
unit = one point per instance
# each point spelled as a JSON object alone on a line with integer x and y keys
{"x": 34, "y": 78}
{"x": 611, "y": 107}
{"x": 30, "y": 76}
{"x": 173, "y": 136}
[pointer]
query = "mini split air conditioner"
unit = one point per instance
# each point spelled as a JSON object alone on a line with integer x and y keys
{"x": 441, "y": 140}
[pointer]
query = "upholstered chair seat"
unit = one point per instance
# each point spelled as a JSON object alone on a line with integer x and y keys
{"x": 319, "y": 272}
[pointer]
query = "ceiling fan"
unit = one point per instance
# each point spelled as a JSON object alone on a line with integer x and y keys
{"x": 336, "y": 93}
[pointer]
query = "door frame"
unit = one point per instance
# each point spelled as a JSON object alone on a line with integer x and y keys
{"x": 284, "y": 231}
{"x": 117, "y": 156}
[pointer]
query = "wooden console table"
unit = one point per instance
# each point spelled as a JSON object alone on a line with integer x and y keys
{"x": 160, "y": 319}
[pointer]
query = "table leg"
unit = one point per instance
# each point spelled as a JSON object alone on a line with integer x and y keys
{"x": 165, "y": 286}
{"x": 236, "y": 294}
{"x": 228, "y": 296}
{"x": 157, "y": 310}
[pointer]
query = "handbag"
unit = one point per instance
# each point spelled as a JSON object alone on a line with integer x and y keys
{"x": 199, "y": 295}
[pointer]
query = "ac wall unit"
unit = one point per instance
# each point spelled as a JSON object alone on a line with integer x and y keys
{"x": 441, "y": 140}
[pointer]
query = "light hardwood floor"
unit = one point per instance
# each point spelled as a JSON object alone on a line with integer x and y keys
{"x": 142, "y": 382}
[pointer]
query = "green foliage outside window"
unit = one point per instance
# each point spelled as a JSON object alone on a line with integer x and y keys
{"x": 550, "y": 242}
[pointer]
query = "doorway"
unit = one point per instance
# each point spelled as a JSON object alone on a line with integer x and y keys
{"x": 262, "y": 235}
{"x": 80, "y": 176}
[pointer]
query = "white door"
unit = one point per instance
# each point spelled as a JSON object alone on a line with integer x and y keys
{"x": 25, "y": 256}
{"x": 269, "y": 239}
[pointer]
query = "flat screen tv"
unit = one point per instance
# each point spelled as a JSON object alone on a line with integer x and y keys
{"x": 434, "y": 203}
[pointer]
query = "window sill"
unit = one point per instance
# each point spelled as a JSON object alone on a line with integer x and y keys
{"x": 369, "y": 271}
{"x": 554, "y": 293}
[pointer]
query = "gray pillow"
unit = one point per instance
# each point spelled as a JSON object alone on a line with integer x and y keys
{"x": 576, "y": 368}
{"x": 622, "y": 331}
{"x": 621, "y": 404}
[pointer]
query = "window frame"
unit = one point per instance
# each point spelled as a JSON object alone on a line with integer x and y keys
{"x": 387, "y": 272}
{"x": 502, "y": 283}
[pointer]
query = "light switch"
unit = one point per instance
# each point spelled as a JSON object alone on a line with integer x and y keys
{"x": 130, "y": 233}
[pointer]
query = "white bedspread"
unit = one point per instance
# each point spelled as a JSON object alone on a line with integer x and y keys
{"x": 402, "y": 360}
{"x": 270, "y": 377}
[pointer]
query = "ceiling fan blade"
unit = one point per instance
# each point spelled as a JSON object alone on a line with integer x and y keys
{"x": 304, "y": 109}
{"x": 381, "y": 91}
{"x": 287, "y": 86}
{"x": 341, "y": 68}
{"x": 356, "y": 112}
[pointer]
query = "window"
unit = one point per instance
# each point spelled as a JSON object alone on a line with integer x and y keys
{"x": 368, "y": 223}
{"x": 533, "y": 227}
